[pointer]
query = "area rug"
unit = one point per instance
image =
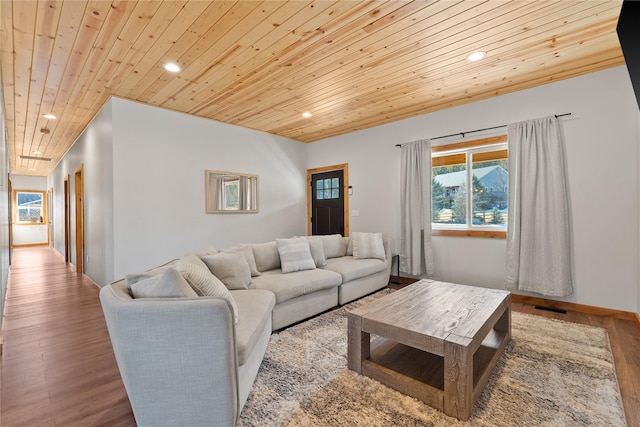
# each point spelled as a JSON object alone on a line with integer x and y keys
{"x": 553, "y": 373}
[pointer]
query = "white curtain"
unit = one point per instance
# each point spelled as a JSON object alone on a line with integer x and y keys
{"x": 538, "y": 250}
{"x": 243, "y": 193}
{"x": 216, "y": 191}
{"x": 416, "y": 254}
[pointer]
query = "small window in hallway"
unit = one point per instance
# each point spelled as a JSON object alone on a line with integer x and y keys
{"x": 29, "y": 207}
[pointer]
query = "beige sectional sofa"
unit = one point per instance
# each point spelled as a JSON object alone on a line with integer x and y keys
{"x": 189, "y": 336}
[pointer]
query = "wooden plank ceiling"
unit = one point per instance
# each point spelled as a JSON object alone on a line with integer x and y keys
{"x": 261, "y": 64}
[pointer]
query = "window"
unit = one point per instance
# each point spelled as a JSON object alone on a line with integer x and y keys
{"x": 328, "y": 189}
{"x": 231, "y": 192}
{"x": 29, "y": 207}
{"x": 482, "y": 166}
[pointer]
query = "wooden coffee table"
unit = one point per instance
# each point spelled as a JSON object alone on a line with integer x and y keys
{"x": 435, "y": 341}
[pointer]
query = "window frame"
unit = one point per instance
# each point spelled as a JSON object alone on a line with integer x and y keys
{"x": 468, "y": 148}
{"x": 16, "y": 216}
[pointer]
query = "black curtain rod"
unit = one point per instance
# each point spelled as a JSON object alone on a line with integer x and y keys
{"x": 480, "y": 130}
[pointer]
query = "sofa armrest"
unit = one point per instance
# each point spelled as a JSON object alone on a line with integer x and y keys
{"x": 177, "y": 357}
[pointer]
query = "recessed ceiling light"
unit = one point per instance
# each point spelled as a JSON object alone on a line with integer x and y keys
{"x": 476, "y": 56}
{"x": 171, "y": 67}
{"x": 306, "y": 114}
{"x": 50, "y": 116}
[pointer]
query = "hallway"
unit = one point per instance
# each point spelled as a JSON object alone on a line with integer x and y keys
{"x": 58, "y": 368}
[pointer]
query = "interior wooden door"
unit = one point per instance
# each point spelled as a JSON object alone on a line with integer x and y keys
{"x": 79, "y": 211}
{"x": 67, "y": 226}
{"x": 10, "y": 196}
{"x": 50, "y": 216}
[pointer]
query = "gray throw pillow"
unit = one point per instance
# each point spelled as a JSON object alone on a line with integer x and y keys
{"x": 248, "y": 255}
{"x": 169, "y": 284}
{"x": 194, "y": 259}
{"x": 368, "y": 245}
{"x": 317, "y": 250}
{"x": 295, "y": 255}
{"x": 231, "y": 268}
{"x": 206, "y": 284}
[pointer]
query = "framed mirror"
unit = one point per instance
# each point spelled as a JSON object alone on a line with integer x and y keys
{"x": 229, "y": 192}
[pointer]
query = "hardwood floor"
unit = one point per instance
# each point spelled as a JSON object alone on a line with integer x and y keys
{"x": 58, "y": 368}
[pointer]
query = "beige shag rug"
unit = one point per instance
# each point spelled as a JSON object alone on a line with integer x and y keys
{"x": 553, "y": 373}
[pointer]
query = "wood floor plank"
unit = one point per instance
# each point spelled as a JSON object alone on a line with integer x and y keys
{"x": 58, "y": 367}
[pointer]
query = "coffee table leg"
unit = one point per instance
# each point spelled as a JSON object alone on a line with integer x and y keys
{"x": 358, "y": 345}
{"x": 458, "y": 378}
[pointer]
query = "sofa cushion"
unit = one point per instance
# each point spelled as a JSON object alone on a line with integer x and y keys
{"x": 231, "y": 268}
{"x": 169, "y": 284}
{"x": 292, "y": 285}
{"x": 248, "y": 255}
{"x": 204, "y": 283}
{"x": 266, "y": 255}
{"x": 132, "y": 278}
{"x": 295, "y": 255}
{"x": 349, "y": 242}
{"x": 254, "y": 310}
{"x": 334, "y": 245}
{"x": 350, "y": 268}
{"x": 317, "y": 250}
{"x": 368, "y": 245}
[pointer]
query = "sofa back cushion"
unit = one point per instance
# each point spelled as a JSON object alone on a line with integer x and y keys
{"x": 334, "y": 246}
{"x": 266, "y": 256}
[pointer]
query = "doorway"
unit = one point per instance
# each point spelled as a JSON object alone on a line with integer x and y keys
{"x": 67, "y": 242}
{"x": 327, "y": 204}
{"x": 50, "y": 215}
{"x": 79, "y": 199}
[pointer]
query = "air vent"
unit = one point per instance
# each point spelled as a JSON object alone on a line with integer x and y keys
{"x": 46, "y": 159}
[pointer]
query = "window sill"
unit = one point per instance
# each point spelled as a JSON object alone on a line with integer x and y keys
{"x": 487, "y": 234}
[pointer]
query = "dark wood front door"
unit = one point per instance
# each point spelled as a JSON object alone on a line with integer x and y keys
{"x": 327, "y": 202}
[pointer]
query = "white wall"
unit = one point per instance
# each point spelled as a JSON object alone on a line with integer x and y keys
{"x": 5, "y": 250}
{"x": 29, "y": 234}
{"x": 602, "y": 155}
{"x": 144, "y": 171}
{"x": 93, "y": 150}
{"x": 159, "y": 161}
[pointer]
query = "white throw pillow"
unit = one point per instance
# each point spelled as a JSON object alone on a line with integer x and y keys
{"x": 169, "y": 284}
{"x": 295, "y": 255}
{"x": 206, "y": 284}
{"x": 368, "y": 245}
{"x": 231, "y": 268}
